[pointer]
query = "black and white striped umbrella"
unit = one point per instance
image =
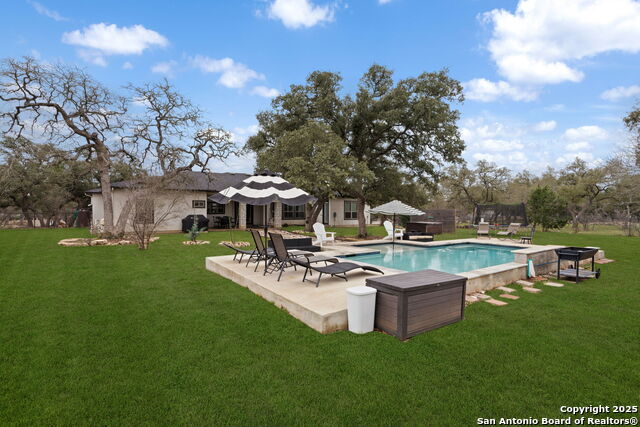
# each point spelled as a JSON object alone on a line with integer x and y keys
{"x": 262, "y": 189}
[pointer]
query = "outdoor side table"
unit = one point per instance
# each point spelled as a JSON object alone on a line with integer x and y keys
{"x": 408, "y": 304}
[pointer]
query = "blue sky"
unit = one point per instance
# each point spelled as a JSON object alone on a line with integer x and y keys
{"x": 545, "y": 80}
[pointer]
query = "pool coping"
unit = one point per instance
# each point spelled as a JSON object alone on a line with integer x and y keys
{"x": 478, "y": 280}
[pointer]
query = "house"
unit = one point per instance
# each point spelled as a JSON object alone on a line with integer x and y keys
{"x": 191, "y": 197}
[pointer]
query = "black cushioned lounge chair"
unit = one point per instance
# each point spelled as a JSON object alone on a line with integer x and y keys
{"x": 241, "y": 252}
{"x": 284, "y": 258}
{"x": 261, "y": 254}
{"x": 338, "y": 269}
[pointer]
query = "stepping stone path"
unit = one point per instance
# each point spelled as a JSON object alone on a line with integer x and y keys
{"x": 531, "y": 290}
{"x": 470, "y": 299}
{"x": 524, "y": 283}
{"x": 482, "y": 296}
{"x": 505, "y": 289}
{"x": 509, "y": 296}
{"x": 554, "y": 284}
{"x": 603, "y": 261}
{"x": 495, "y": 302}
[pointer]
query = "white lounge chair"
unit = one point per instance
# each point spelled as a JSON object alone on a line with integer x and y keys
{"x": 391, "y": 233}
{"x": 323, "y": 236}
{"x": 511, "y": 231}
{"x": 483, "y": 229}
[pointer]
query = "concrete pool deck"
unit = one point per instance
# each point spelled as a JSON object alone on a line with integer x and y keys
{"x": 325, "y": 308}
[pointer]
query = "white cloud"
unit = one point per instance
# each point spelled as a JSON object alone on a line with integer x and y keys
{"x": 267, "y": 92}
{"x": 619, "y": 92}
{"x": 568, "y": 158}
{"x": 167, "y": 68}
{"x": 500, "y": 145}
{"x": 239, "y": 135}
{"x": 585, "y": 133}
{"x": 47, "y": 12}
{"x": 484, "y": 90}
{"x": 232, "y": 74}
{"x": 300, "y": 13}
{"x": 127, "y": 66}
{"x": 99, "y": 40}
{"x": 556, "y": 108}
{"x": 516, "y": 158}
{"x": 545, "y": 126}
{"x": 540, "y": 42}
{"x": 577, "y": 146}
{"x": 92, "y": 57}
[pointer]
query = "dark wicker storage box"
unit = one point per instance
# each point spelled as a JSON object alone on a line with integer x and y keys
{"x": 411, "y": 303}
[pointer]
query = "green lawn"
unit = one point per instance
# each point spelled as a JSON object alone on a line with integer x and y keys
{"x": 112, "y": 335}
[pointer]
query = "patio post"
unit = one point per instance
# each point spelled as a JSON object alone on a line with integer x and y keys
{"x": 242, "y": 216}
{"x": 277, "y": 215}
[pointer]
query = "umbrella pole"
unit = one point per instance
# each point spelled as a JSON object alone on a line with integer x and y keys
{"x": 266, "y": 240}
{"x": 393, "y": 233}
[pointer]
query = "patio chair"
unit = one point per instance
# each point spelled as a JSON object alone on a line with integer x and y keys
{"x": 265, "y": 254}
{"x": 391, "y": 233}
{"x": 338, "y": 269}
{"x": 483, "y": 229}
{"x": 283, "y": 258}
{"x": 322, "y": 235}
{"x": 511, "y": 231}
{"x": 241, "y": 252}
{"x": 261, "y": 253}
{"x": 528, "y": 239}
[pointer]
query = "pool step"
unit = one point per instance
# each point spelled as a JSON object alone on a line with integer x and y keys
{"x": 505, "y": 289}
{"x": 531, "y": 290}
{"x": 554, "y": 284}
{"x": 509, "y": 296}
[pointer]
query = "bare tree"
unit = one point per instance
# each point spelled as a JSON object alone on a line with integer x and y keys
{"x": 153, "y": 200}
{"x": 66, "y": 105}
{"x": 171, "y": 136}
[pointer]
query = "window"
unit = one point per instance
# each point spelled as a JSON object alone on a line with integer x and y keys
{"x": 293, "y": 212}
{"x": 144, "y": 212}
{"x": 214, "y": 208}
{"x": 198, "y": 204}
{"x": 350, "y": 209}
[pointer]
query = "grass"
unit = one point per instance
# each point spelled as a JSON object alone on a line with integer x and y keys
{"x": 112, "y": 335}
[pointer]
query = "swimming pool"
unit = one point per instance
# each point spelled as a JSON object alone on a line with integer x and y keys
{"x": 454, "y": 258}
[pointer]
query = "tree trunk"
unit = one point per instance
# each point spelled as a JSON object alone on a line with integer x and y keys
{"x": 28, "y": 217}
{"x": 313, "y": 215}
{"x": 121, "y": 225}
{"x": 575, "y": 223}
{"x": 104, "y": 163}
{"x": 362, "y": 223}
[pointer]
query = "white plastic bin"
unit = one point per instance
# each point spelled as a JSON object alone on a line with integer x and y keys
{"x": 361, "y": 307}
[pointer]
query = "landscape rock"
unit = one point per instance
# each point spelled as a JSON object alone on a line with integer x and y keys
{"x": 554, "y": 284}
{"x": 524, "y": 283}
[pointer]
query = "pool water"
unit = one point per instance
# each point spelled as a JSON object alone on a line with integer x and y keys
{"x": 454, "y": 258}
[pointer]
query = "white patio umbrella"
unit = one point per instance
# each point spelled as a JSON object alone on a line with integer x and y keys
{"x": 262, "y": 190}
{"x": 393, "y": 208}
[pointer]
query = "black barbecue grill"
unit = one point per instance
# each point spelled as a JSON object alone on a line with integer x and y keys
{"x": 577, "y": 254}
